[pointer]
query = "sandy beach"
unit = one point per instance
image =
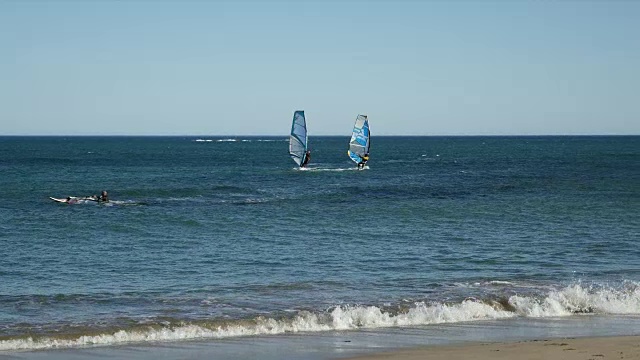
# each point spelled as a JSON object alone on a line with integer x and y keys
{"x": 619, "y": 347}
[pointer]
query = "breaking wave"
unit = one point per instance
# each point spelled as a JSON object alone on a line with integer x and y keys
{"x": 575, "y": 299}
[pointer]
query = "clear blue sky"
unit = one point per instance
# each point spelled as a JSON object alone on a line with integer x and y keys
{"x": 240, "y": 67}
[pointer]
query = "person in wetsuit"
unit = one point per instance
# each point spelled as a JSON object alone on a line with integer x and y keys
{"x": 104, "y": 197}
{"x": 363, "y": 162}
{"x": 306, "y": 159}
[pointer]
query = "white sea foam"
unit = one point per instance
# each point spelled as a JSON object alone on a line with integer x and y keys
{"x": 329, "y": 169}
{"x": 500, "y": 282}
{"x": 236, "y": 140}
{"x": 340, "y": 318}
{"x": 564, "y": 302}
{"x": 579, "y": 299}
{"x": 242, "y": 140}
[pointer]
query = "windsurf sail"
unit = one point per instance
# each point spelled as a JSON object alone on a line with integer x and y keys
{"x": 298, "y": 138}
{"x": 360, "y": 139}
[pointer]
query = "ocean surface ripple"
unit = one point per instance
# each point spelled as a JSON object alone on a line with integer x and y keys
{"x": 215, "y": 237}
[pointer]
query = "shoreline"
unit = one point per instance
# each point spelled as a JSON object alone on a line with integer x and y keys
{"x": 512, "y": 338}
{"x": 571, "y": 348}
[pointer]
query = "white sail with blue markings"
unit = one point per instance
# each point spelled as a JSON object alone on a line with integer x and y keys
{"x": 298, "y": 138}
{"x": 360, "y": 139}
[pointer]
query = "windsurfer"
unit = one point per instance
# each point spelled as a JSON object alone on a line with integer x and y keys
{"x": 363, "y": 162}
{"x": 307, "y": 156}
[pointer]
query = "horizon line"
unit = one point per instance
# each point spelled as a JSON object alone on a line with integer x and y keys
{"x": 324, "y": 135}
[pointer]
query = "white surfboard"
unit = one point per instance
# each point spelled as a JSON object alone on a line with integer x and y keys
{"x": 72, "y": 200}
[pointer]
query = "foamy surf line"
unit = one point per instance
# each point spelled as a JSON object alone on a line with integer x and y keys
{"x": 569, "y": 301}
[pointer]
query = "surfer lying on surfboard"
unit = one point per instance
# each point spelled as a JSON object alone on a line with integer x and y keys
{"x": 103, "y": 197}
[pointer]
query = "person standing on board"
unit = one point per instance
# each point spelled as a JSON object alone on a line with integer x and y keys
{"x": 307, "y": 156}
{"x": 363, "y": 162}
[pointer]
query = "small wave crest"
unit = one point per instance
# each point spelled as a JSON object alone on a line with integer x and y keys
{"x": 574, "y": 299}
{"x": 216, "y": 140}
{"x": 239, "y": 140}
{"x": 330, "y": 169}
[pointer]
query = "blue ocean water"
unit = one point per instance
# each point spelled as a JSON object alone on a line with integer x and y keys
{"x": 221, "y": 237}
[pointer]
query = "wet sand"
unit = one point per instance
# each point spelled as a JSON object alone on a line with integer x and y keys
{"x": 616, "y": 347}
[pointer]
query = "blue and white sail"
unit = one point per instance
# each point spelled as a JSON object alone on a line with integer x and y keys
{"x": 298, "y": 138}
{"x": 360, "y": 139}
